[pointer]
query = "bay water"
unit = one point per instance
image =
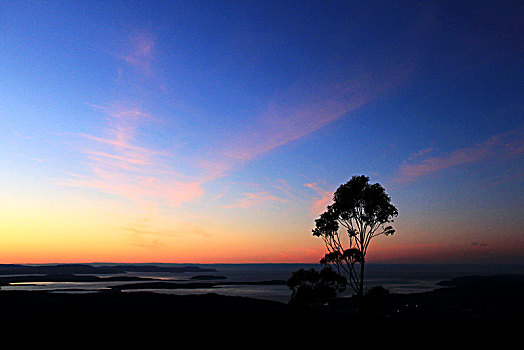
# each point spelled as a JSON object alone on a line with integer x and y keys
{"x": 397, "y": 278}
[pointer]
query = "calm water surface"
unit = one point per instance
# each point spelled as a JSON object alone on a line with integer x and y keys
{"x": 396, "y": 278}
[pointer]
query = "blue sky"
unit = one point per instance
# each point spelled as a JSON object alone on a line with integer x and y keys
{"x": 227, "y": 126}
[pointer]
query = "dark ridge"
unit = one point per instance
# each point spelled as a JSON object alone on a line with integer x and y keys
{"x": 498, "y": 281}
{"x": 474, "y": 298}
{"x": 497, "y": 297}
{"x": 460, "y": 309}
{"x": 192, "y": 285}
{"x": 128, "y": 315}
{"x": 154, "y": 268}
{"x": 208, "y": 277}
{"x": 162, "y": 285}
{"x": 84, "y": 269}
{"x": 257, "y": 283}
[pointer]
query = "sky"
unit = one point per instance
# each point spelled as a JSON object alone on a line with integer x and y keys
{"x": 217, "y": 131}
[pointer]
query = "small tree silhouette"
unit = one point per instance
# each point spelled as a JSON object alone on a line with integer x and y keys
{"x": 374, "y": 301}
{"x": 363, "y": 210}
{"x": 310, "y": 287}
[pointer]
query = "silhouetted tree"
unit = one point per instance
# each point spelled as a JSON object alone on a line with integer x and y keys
{"x": 310, "y": 287}
{"x": 362, "y": 210}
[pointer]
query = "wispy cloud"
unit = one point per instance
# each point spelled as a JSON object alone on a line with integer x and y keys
{"x": 121, "y": 163}
{"x": 286, "y": 121}
{"x": 503, "y": 144}
{"x": 290, "y": 116}
{"x": 140, "y": 52}
{"x": 118, "y": 166}
{"x": 420, "y": 153}
{"x": 251, "y": 199}
{"x": 321, "y": 200}
{"x": 146, "y": 235}
{"x": 286, "y": 189}
{"x": 508, "y": 178}
{"x": 137, "y": 161}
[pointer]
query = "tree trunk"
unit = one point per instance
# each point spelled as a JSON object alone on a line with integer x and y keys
{"x": 361, "y": 287}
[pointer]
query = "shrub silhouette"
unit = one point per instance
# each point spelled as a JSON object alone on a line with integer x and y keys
{"x": 310, "y": 287}
{"x": 377, "y": 292}
{"x": 374, "y": 301}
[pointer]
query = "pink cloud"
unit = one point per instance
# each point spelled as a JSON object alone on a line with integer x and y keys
{"x": 305, "y": 108}
{"x": 117, "y": 166}
{"x": 112, "y": 142}
{"x": 251, "y": 199}
{"x": 284, "y": 122}
{"x": 121, "y": 158}
{"x": 421, "y": 153}
{"x": 504, "y": 179}
{"x": 289, "y": 117}
{"x": 139, "y": 188}
{"x": 321, "y": 200}
{"x": 503, "y": 144}
{"x": 140, "y": 52}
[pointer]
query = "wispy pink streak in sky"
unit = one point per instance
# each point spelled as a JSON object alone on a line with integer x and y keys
{"x": 503, "y": 144}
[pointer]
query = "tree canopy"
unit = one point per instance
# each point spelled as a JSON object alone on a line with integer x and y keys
{"x": 363, "y": 211}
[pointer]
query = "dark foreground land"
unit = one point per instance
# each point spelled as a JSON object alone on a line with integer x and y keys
{"x": 472, "y": 300}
